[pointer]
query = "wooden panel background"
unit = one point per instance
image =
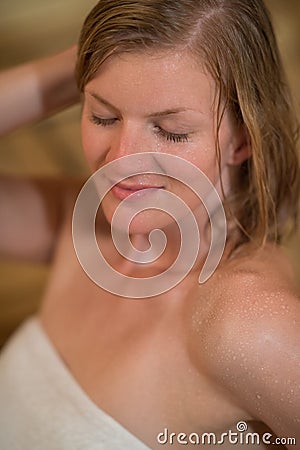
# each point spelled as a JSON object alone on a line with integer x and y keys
{"x": 33, "y": 28}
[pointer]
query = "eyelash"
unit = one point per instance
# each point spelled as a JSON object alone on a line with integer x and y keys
{"x": 103, "y": 122}
{"x": 170, "y": 137}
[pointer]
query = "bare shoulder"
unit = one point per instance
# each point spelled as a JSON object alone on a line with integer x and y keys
{"x": 246, "y": 330}
{"x": 255, "y": 285}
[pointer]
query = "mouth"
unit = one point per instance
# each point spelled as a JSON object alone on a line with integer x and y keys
{"x": 124, "y": 190}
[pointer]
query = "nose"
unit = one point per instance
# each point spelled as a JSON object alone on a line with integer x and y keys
{"x": 131, "y": 139}
{"x": 128, "y": 138}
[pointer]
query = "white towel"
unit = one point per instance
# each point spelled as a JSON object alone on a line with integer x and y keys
{"x": 42, "y": 407}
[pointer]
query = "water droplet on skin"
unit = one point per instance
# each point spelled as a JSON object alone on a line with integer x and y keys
{"x": 258, "y": 396}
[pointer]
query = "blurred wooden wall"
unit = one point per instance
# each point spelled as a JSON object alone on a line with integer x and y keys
{"x": 33, "y": 28}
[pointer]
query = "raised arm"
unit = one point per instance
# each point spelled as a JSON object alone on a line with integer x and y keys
{"x": 37, "y": 89}
{"x": 31, "y": 211}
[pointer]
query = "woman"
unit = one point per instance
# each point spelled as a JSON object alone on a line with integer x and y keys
{"x": 199, "y": 80}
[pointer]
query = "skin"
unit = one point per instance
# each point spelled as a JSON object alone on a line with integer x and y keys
{"x": 198, "y": 358}
{"x": 130, "y": 119}
{"x": 36, "y": 89}
{"x": 141, "y": 124}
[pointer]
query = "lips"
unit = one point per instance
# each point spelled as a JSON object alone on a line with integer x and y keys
{"x": 123, "y": 190}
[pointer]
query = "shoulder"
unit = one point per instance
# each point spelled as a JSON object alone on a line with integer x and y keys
{"x": 251, "y": 334}
{"x": 252, "y": 289}
{"x": 257, "y": 284}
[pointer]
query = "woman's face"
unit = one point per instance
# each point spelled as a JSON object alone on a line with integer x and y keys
{"x": 158, "y": 102}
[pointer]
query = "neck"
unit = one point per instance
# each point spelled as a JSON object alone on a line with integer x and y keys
{"x": 159, "y": 249}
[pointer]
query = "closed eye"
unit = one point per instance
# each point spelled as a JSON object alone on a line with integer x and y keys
{"x": 103, "y": 122}
{"x": 171, "y": 137}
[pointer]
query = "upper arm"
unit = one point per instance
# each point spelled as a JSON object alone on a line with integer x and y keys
{"x": 31, "y": 213}
{"x": 265, "y": 373}
{"x": 254, "y": 344}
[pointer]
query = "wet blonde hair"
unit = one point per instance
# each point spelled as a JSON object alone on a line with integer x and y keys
{"x": 235, "y": 41}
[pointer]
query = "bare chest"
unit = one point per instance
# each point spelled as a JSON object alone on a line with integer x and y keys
{"x": 132, "y": 357}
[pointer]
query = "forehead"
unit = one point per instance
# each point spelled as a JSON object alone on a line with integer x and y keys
{"x": 157, "y": 78}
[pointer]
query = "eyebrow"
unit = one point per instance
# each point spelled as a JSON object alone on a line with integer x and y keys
{"x": 167, "y": 112}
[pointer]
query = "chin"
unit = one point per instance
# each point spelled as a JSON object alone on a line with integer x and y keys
{"x": 142, "y": 223}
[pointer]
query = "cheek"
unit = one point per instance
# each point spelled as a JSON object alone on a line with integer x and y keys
{"x": 204, "y": 157}
{"x": 91, "y": 143}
